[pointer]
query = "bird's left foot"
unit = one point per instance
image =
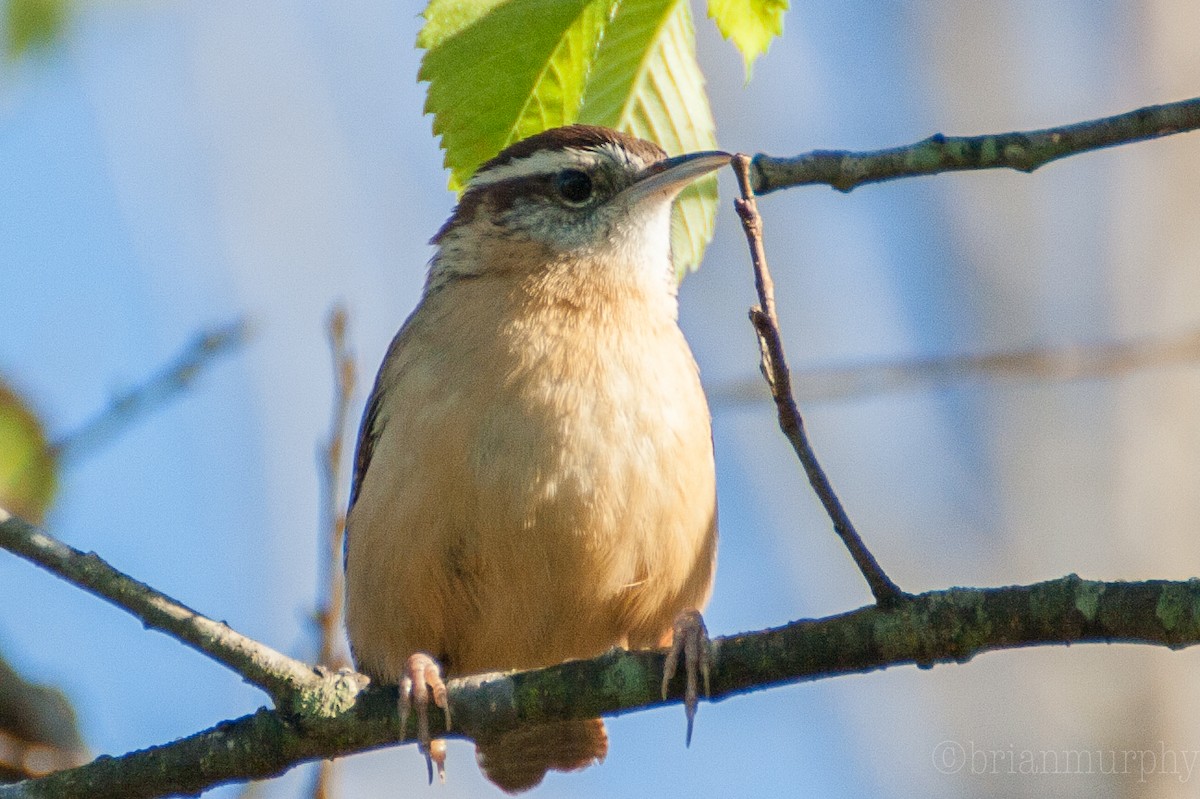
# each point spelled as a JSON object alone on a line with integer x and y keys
{"x": 421, "y": 682}
{"x": 689, "y": 638}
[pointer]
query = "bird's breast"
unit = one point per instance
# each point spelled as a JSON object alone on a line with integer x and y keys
{"x": 554, "y": 467}
{"x": 592, "y": 465}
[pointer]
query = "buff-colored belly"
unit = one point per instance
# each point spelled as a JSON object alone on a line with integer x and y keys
{"x": 534, "y": 518}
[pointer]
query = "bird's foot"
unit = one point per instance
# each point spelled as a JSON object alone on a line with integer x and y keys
{"x": 689, "y": 637}
{"x": 422, "y": 677}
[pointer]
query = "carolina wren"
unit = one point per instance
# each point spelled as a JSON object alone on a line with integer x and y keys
{"x": 534, "y": 478}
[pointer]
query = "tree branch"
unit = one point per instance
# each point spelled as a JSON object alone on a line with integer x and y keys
{"x": 293, "y": 685}
{"x": 949, "y": 626}
{"x": 1024, "y": 151}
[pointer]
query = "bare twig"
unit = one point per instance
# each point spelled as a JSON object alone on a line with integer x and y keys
{"x": 333, "y": 523}
{"x": 938, "y": 627}
{"x": 775, "y": 370}
{"x": 285, "y": 679}
{"x": 1081, "y": 362}
{"x": 329, "y": 462}
{"x": 131, "y": 406}
{"x": 1023, "y": 151}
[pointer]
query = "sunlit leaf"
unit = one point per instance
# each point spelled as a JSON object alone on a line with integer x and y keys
{"x": 501, "y": 70}
{"x": 749, "y": 24}
{"x": 646, "y": 81}
{"x": 28, "y": 469}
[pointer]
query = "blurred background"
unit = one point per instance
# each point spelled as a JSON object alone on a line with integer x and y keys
{"x": 169, "y": 167}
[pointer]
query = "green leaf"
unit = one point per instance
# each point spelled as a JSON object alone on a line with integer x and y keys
{"x": 749, "y": 24}
{"x": 33, "y": 23}
{"x": 646, "y": 81}
{"x": 501, "y": 71}
{"x": 28, "y": 467}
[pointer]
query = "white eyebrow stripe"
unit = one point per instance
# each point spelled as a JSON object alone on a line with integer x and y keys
{"x": 547, "y": 162}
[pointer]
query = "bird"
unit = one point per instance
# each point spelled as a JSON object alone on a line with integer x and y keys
{"x": 534, "y": 478}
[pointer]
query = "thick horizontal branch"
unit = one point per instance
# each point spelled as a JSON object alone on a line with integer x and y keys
{"x": 1023, "y": 150}
{"x": 937, "y": 627}
{"x": 288, "y": 681}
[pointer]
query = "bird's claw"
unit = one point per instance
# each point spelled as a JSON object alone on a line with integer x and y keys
{"x": 689, "y": 637}
{"x": 422, "y": 676}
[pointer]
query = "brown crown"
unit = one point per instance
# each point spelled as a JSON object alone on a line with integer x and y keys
{"x": 579, "y": 137}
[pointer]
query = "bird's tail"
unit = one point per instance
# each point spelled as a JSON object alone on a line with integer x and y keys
{"x": 518, "y": 760}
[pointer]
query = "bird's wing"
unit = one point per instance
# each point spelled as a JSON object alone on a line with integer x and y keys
{"x": 368, "y": 434}
{"x": 370, "y": 429}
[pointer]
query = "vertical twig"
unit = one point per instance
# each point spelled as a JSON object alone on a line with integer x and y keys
{"x": 778, "y": 376}
{"x": 323, "y": 780}
{"x": 251, "y": 790}
{"x": 333, "y": 523}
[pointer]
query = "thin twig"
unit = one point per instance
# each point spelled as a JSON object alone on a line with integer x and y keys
{"x": 775, "y": 370}
{"x": 329, "y": 462}
{"x": 949, "y": 626}
{"x": 276, "y": 673}
{"x": 1024, "y": 151}
{"x": 133, "y": 405}
{"x": 1077, "y": 362}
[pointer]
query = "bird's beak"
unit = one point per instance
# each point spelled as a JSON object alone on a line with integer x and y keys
{"x": 670, "y": 176}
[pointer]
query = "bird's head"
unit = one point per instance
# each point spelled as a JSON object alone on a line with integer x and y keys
{"x": 572, "y": 198}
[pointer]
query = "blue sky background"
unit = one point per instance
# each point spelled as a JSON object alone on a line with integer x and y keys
{"x": 176, "y": 165}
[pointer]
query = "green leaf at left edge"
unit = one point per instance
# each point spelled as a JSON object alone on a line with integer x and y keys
{"x": 32, "y": 23}
{"x": 749, "y": 24}
{"x": 499, "y": 71}
{"x": 28, "y": 466}
{"x": 646, "y": 81}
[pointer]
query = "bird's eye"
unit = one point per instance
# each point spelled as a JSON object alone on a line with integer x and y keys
{"x": 574, "y": 186}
